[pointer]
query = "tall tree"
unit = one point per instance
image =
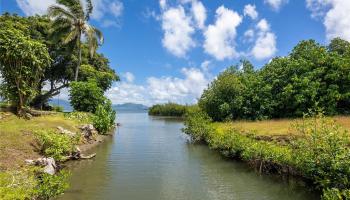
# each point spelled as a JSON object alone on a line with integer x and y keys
{"x": 70, "y": 24}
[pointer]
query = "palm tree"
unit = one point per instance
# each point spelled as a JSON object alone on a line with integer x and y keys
{"x": 70, "y": 24}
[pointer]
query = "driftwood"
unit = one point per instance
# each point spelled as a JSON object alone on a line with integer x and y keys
{"x": 77, "y": 155}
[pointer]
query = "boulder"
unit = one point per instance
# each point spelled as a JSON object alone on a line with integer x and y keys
{"x": 49, "y": 164}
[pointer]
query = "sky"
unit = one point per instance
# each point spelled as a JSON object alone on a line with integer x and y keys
{"x": 170, "y": 50}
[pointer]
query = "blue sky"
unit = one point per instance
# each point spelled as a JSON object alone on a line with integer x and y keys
{"x": 169, "y": 50}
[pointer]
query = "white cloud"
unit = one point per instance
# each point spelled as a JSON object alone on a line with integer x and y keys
{"x": 249, "y": 35}
{"x": 163, "y": 4}
{"x": 199, "y": 13}
{"x": 32, "y": 7}
{"x": 219, "y": 37}
{"x": 250, "y": 10}
{"x": 129, "y": 77}
{"x": 162, "y": 89}
{"x": 276, "y": 4}
{"x": 100, "y": 9}
{"x": 177, "y": 31}
{"x": 117, "y": 8}
{"x": 265, "y": 44}
{"x": 335, "y": 15}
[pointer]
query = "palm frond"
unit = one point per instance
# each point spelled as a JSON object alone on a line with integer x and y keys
{"x": 72, "y": 35}
{"x": 94, "y": 38}
{"x": 88, "y": 11}
{"x": 58, "y": 11}
{"x": 74, "y": 6}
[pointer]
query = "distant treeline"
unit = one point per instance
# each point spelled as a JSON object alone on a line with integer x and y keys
{"x": 311, "y": 76}
{"x": 168, "y": 109}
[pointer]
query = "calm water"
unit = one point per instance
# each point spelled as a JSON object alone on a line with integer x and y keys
{"x": 149, "y": 159}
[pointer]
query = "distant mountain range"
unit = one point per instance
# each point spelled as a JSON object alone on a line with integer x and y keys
{"x": 118, "y": 107}
{"x": 130, "y": 107}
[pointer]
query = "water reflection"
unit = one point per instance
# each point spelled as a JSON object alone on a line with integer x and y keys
{"x": 151, "y": 159}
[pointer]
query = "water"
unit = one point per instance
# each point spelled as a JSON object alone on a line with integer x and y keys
{"x": 150, "y": 159}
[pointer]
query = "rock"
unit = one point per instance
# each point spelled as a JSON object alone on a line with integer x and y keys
{"x": 64, "y": 131}
{"x": 48, "y": 163}
{"x": 88, "y": 130}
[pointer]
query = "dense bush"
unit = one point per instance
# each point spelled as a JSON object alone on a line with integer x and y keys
{"x": 104, "y": 118}
{"x": 197, "y": 124}
{"x": 51, "y": 185}
{"x": 311, "y": 76}
{"x": 81, "y": 117}
{"x": 55, "y": 145}
{"x": 321, "y": 155}
{"x": 32, "y": 183}
{"x": 168, "y": 109}
{"x": 86, "y": 96}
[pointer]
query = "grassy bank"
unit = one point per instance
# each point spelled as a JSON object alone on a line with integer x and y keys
{"x": 22, "y": 139}
{"x": 315, "y": 148}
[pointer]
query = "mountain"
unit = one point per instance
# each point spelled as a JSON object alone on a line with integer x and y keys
{"x": 130, "y": 107}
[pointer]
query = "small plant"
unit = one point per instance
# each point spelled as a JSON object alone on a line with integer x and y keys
{"x": 52, "y": 185}
{"x": 82, "y": 117}
{"x": 104, "y": 118}
{"x": 55, "y": 145}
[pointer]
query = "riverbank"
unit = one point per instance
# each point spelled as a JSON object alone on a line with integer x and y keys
{"x": 316, "y": 149}
{"x": 22, "y": 139}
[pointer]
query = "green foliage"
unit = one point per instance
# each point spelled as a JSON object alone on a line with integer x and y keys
{"x": 55, "y": 145}
{"x": 168, "y": 109}
{"x": 86, "y": 96}
{"x": 104, "y": 118}
{"x": 311, "y": 76}
{"x": 323, "y": 153}
{"x": 22, "y": 64}
{"x": 103, "y": 77}
{"x": 197, "y": 124}
{"x": 82, "y": 117}
{"x": 52, "y": 185}
{"x": 320, "y": 153}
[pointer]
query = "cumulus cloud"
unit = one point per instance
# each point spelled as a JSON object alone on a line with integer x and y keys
{"x": 265, "y": 44}
{"x": 129, "y": 77}
{"x": 199, "y": 13}
{"x": 162, "y": 89}
{"x": 250, "y": 10}
{"x": 220, "y": 37}
{"x": 101, "y": 9}
{"x": 178, "y": 31}
{"x": 276, "y": 4}
{"x": 32, "y": 7}
{"x": 335, "y": 16}
{"x": 249, "y": 35}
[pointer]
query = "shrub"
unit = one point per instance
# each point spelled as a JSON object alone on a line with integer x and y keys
{"x": 197, "y": 124}
{"x": 169, "y": 109}
{"x": 104, "y": 118}
{"x": 86, "y": 96}
{"x": 323, "y": 153}
{"x": 52, "y": 185}
{"x": 55, "y": 145}
{"x": 82, "y": 117}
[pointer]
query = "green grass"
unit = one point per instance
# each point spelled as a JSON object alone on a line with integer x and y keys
{"x": 280, "y": 127}
{"x": 17, "y": 141}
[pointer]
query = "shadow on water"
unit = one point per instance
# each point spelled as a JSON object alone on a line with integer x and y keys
{"x": 150, "y": 159}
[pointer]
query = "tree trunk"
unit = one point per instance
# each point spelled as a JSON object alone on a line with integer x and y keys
{"x": 79, "y": 59}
